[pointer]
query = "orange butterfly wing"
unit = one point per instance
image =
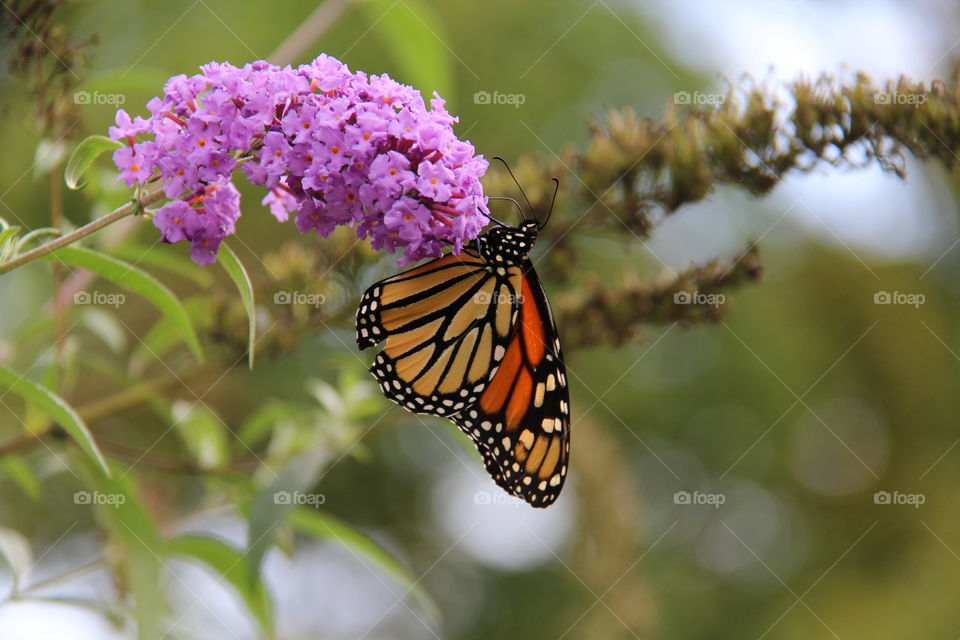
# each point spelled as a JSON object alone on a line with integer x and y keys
{"x": 521, "y": 421}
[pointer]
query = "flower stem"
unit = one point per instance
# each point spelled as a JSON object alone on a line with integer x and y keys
{"x": 82, "y": 232}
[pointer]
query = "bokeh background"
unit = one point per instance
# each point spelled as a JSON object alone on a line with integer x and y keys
{"x": 725, "y": 476}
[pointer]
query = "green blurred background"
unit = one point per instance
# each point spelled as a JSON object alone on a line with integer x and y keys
{"x": 794, "y": 411}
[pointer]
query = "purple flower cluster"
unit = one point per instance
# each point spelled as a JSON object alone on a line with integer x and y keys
{"x": 330, "y": 146}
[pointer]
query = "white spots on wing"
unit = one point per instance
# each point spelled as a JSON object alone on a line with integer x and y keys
{"x": 538, "y": 395}
{"x": 551, "y": 382}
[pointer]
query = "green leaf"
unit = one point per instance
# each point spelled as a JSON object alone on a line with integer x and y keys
{"x": 231, "y": 263}
{"x": 412, "y": 31}
{"x": 48, "y": 156}
{"x": 15, "y": 548}
{"x": 105, "y": 326}
{"x": 270, "y": 509}
{"x": 121, "y": 512}
{"x": 83, "y": 156}
{"x": 261, "y": 423}
{"x": 24, "y": 477}
{"x": 203, "y": 433}
{"x": 133, "y": 279}
{"x": 165, "y": 259}
{"x": 55, "y": 408}
{"x": 8, "y": 242}
{"x": 228, "y": 562}
{"x": 320, "y": 525}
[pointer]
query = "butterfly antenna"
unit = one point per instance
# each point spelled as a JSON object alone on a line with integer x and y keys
{"x": 553, "y": 200}
{"x": 517, "y": 182}
{"x": 513, "y": 200}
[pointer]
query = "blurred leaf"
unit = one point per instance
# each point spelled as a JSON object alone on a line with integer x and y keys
{"x": 106, "y": 327}
{"x": 272, "y": 504}
{"x": 123, "y": 515}
{"x": 83, "y": 156}
{"x": 203, "y": 433}
{"x": 130, "y": 277}
{"x": 18, "y": 471}
{"x": 54, "y": 407}
{"x": 259, "y": 425}
{"x": 324, "y": 526}
{"x": 228, "y": 562}
{"x": 8, "y": 242}
{"x": 412, "y": 31}
{"x": 48, "y": 156}
{"x": 231, "y": 263}
{"x": 163, "y": 336}
{"x": 15, "y": 548}
{"x": 163, "y": 259}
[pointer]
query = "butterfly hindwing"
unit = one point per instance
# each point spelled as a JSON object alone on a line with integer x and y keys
{"x": 444, "y": 324}
{"x": 521, "y": 422}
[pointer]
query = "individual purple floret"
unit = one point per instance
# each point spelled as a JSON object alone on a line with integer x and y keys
{"x": 330, "y": 146}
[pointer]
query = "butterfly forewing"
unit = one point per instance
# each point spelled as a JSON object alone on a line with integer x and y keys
{"x": 443, "y": 324}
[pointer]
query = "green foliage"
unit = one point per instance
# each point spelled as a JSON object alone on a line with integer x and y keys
{"x": 133, "y": 279}
{"x": 56, "y": 409}
{"x": 83, "y": 157}
{"x": 228, "y": 562}
{"x": 323, "y": 526}
{"x": 232, "y": 265}
{"x": 416, "y": 39}
{"x": 303, "y": 449}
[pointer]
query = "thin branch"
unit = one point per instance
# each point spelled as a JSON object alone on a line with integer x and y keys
{"x": 82, "y": 232}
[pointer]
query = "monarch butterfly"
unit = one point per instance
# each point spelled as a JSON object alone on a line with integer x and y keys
{"x": 470, "y": 337}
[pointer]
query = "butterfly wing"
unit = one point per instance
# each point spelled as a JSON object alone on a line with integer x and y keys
{"x": 445, "y": 325}
{"x": 521, "y": 421}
